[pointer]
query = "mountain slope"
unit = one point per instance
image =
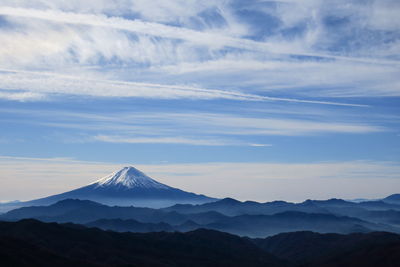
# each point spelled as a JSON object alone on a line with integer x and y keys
{"x": 106, "y": 248}
{"x": 395, "y": 198}
{"x": 126, "y": 187}
{"x": 17, "y": 252}
{"x": 313, "y": 249}
{"x": 33, "y": 243}
{"x": 119, "y": 225}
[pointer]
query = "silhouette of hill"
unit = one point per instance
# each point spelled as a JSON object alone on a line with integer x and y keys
{"x": 17, "y": 252}
{"x": 70, "y": 243}
{"x": 119, "y": 225}
{"x": 314, "y": 249}
{"x": 34, "y": 243}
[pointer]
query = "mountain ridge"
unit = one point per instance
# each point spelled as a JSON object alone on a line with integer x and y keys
{"x": 87, "y": 212}
{"x": 31, "y": 242}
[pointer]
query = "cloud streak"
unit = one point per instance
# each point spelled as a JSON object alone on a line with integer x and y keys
{"x": 200, "y": 129}
{"x": 22, "y": 96}
{"x": 137, "y": 26}
{"x": 168, "y": 140}
{"x": 37, "y": 84}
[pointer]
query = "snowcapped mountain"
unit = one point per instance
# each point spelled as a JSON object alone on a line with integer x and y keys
{"x": 128, "y": 178}
{"x": 127, "y": 187}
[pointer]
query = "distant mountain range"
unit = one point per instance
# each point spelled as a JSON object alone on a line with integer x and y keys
{"x": 131, "y": 187}
{"x": 375, "y": 211}
{"x": 125, "y": 187}
{"x": 33, "y": 243}
{"x": 226, "y": 215}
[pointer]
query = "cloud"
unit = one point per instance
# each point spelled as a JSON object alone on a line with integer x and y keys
{"x": 142, "y": 127}
{"x": 189, "y": 128}
{"x": 310, "y": 49}
{"x": 42, "y": 83}
{"x": 174, "y": 140}
{"x": 260, "y": 145}
{"x": 242, "y": 125}
{"x": 157, "y": 10}
{"x": 307, "y": 78}
{"x": 137, "y": 26}
{"x": 163, "y": 140}
{"x": 213, "y": 40}
{"x": 22, "y": 96}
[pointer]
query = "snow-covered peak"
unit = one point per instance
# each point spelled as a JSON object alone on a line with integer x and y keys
{"x": 129, "y": 177}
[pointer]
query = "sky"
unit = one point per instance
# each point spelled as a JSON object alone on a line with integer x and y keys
{"x": 254, "y": 99}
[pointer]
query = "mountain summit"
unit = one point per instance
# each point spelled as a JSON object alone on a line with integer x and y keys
{"x": 128, "y": 178}
{"x": 127, "y": 187}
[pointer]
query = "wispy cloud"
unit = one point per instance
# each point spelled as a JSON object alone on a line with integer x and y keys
{"x": 210, "y": 39}
{"x": 204, "y": 129}
{"x": 22, "y": 96}
{"x": 308, "y": 49}
{"x": 137, "y": 26}
{"x": 168, "y": 140}
{"x": 295, "y": 77}
{"x": 260, "y": 145}
{"x": 39, "y": 84}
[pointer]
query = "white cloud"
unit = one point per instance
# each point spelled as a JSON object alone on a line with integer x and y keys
{"x": 260, "y": 145}
{"x": 22, "y": 96}
{"x": 131, "y": 127}
{"x": 62, "y": 36}
{"x": 141, "y": 27}
{"x": 163, "y": 140}
{"x": 211, "y": 39}
{"x": 384, "y": 15}
{"x": 49, "y": 83}
{"x": 323, "y": 79}
{"x": 157, "y": 10}
{"x": 241, "y": 125}
{"x": 54, "y": 84}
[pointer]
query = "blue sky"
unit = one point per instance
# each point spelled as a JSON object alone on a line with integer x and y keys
{"x": 163, "y": 84}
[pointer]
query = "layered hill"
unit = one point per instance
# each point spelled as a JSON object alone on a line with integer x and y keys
{"x": 136, "y": 219}
{"x": 73, "y": 245}
{"x": 33, "y": 243}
